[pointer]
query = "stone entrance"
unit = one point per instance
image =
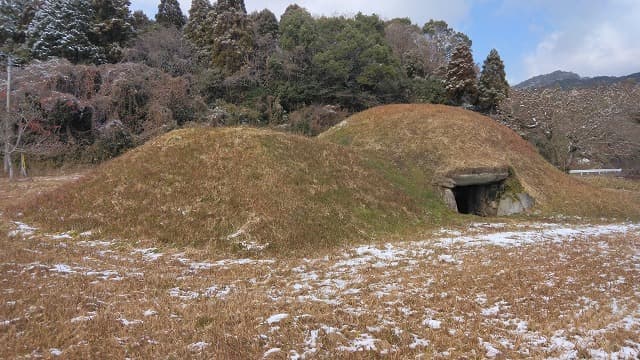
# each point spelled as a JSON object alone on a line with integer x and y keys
{"x": 486, "y": 192}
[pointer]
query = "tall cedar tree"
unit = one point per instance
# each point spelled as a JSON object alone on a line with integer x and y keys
{"x": 460, "y": 81}
{"x": 265, "y": 40}
{"x": 446, "y": 39}
{"x": 197, "y": 30}
{"x": 112, "y": 27}
{"x": 493, "y": 86}
{"x": 289, "y": 72}
{"x": 232, "y": 35}
{"x": 297, "y": 28}
{"x": 169, "y": 14}
{"x": 61, "y": 28}
{"x": 15, "y": 16}
{"x": 140, "y": 21}
{"x": 265, "y": 23}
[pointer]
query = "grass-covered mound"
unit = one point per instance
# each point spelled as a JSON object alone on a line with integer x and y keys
{"x": 439, "y": 140}
{"x": 239, "y": 187}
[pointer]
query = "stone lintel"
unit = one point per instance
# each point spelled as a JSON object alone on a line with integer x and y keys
{"x": 477, "y": 179}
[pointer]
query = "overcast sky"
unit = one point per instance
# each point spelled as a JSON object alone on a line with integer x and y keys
{"x": 589, "y": 37}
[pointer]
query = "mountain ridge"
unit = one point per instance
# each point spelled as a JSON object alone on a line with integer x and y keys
{"x": 568, "y": 79}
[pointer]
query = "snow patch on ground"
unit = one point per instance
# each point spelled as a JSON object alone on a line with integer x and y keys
{"x": 62, "y": 268}
{"x": 276, "y": 318}
{"x": 544, "y": 232}
{"x": 447, "y": 259}
{"x": 252, "y": 245}
{"x": 83, "y": 318}
{"x": 62, "y": 236}
{"x": 198, "y": 346}
{"x": 418, "y": 342}
{"x": 126, "y": 322}
{"x": 491, "y": 351}
{"x": 270, "y": 351}
{"x": 432, "y": 324}
{"x": 150, "y": 254}
{"x": 364, "y": 342}
{"x": 216, "y": 291}
{"x": 55, "y": 352}
{"x": 22, "y": 230}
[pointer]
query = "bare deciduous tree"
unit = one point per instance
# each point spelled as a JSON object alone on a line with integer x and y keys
{"x": 16, "y": 124}
{"x": 17, "y": 118}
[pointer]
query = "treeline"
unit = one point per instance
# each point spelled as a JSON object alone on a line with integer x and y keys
{"x": 301, "y": 73}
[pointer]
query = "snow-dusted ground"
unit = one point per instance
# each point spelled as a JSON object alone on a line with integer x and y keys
{"x": 415, "y": 297}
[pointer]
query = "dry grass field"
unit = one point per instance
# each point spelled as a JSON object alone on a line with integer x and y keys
{"x": 562, "y": 289}
{"x": 241, "y": 243}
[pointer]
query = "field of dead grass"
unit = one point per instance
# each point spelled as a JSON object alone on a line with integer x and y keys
{"x": 481, "y": 290}
{"x": 79, "y": 281}
{"x": 438, "y": 139}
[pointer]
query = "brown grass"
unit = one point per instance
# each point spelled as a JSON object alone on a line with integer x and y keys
{"x": 583, "y": 289}
{"x": 200, "y": 186}
{"x": 610, "y": 182}
{"x": 439, "y": 139}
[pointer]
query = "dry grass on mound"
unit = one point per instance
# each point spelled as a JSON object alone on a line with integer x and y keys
{"x": 239, "y": 188}
{"x": 610, "y": 182}
{"x": 440, "y": 139}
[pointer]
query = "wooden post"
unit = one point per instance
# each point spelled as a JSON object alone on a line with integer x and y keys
{"x": 8, "y": 82}
{"x": 23, "y": 165}
{"x": 7, "y": 135}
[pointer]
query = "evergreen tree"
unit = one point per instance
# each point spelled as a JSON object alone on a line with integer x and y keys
{"x": 265, "y": 40}
{"x": 169, "y": 14}
{"x": 232, "y": 35}
{"x": 444, "y": 39}
{"x": 140, "y": 21}
{"x": 265, "y": 23}
{"x": 290, "y": 72}
{"x": 61, "y": 28}
{"x": 15, "y": 16}
{"x": 9, "y": 18}
{"x": 297, "y": 28}
{"x": 197, "y": 30}
{"x": 461, "y": 77}
{"x": 238, "y": 5}
{"x": 355, "y": 66}
{"x": 493, "y": 86}
{"x": 111, "y": 26}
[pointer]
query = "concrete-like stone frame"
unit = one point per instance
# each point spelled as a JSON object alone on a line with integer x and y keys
{"x": 493, "y": 197}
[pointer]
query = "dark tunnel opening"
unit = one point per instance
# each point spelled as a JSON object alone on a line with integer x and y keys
{"x": 478, "y": 199}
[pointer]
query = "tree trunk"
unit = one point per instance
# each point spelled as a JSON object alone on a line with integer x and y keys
{"x": 7, "y": 126}
{"x": 8, "y": 164}
{"x": 23, "y": 165}
{"x": 5, "y": 159}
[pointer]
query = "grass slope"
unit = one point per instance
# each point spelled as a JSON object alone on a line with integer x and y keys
{"x": 437, "y": 139}
{"x": 237, "y": 188}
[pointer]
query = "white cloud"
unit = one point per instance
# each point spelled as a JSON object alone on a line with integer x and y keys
{"x": 590, "y": 39}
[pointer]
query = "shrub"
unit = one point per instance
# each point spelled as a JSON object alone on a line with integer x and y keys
{"x": 315, "y": 119}
{"x": 113, "y": 140}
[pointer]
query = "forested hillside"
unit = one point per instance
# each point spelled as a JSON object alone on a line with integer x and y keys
{"x": 578, "y": 122}
{"x": 110, "y": 79}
